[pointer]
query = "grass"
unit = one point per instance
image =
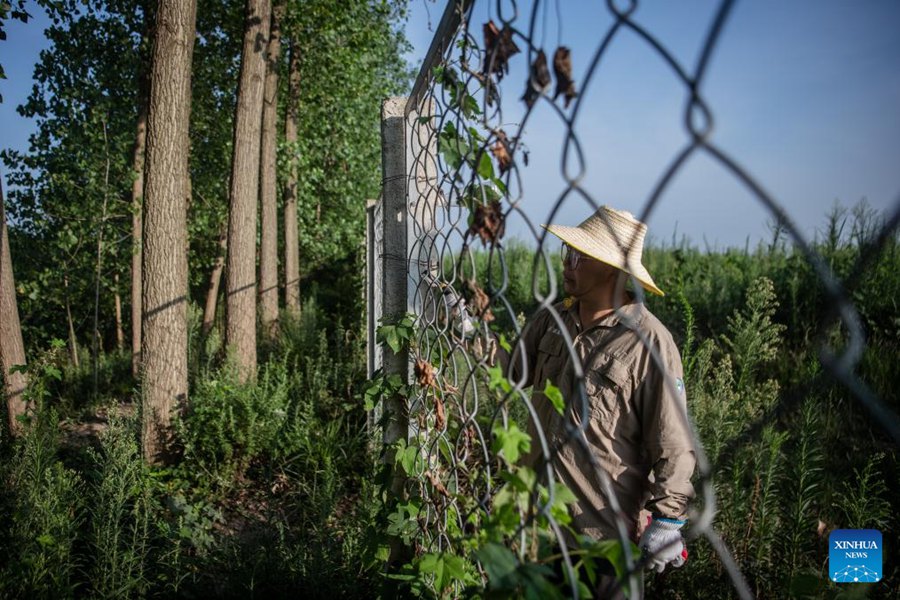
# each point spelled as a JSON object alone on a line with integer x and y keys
{"x": 276, "y": 492}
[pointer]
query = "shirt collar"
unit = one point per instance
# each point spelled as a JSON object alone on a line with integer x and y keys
{"x": 632, "y": 310}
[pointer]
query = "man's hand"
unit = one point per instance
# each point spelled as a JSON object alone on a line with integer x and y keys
{"x": 455, "y": 305}
{"x": 662, "y": 540}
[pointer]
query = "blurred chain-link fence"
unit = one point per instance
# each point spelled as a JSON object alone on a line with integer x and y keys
{"x": 452, "y": 181}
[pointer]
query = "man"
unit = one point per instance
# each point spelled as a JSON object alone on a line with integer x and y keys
{"x": 632, "y": 407}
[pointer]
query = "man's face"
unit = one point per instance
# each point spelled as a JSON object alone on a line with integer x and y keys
{"x": 583, "y": 275}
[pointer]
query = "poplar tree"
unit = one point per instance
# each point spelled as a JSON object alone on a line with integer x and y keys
{"x": 240, "y": 269}
{"x": 165, "y": 285}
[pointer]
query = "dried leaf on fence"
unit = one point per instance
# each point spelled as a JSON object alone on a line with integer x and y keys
{"x": 500, "y": 150}
{"x": 498, "y": 48}
{"x": 449, "y": 388}
{"x": 538, "y": 79}
{"x": 488, "y": 222}
{"x": 480, "y": 302}
{"x": 436, "y": 483}
{"x": 441, "y": 418}
{"x": 424, "y": 373}
{"x": 562, "y": 68}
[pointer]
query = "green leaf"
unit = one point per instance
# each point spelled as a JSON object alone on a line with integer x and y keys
{"x": 446, "y": 568}
{"x": 499, "y": 563}
{"x": 470, "y": 106}
{"x": 498, "y": 380}
{"x": 537, "y": 584}
{"x": 485, "y": 166}
{"x": 504, "y": 343}
{"x": 612, "y": 551}
{"x": 555, "y": 397}
{"x": 510, "y": 442}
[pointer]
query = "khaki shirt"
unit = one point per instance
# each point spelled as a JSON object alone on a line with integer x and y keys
{"x": 633, "y": 426}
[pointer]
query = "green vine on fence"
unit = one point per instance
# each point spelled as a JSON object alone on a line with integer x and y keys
{"x": 506, "y": 548}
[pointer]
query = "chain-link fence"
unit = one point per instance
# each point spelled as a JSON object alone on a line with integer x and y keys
{"x": 452, "y": 182}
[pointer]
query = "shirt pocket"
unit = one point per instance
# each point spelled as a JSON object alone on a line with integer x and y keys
{"x": 551, "y": 358}
{"x": 607, "y": 385}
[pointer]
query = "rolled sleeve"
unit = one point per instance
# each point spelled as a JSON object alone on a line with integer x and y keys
{"x": 667, "y": 439}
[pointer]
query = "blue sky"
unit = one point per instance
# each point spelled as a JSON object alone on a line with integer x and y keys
{"x": 805, "y": 96}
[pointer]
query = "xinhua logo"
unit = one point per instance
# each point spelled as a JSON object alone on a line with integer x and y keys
{"x": 854, "y": 555}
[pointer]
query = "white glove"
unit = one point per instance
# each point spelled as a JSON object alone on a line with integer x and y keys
{"x": 663, "y": 542}
{"x": 458, "y": 312}
{"x": 455, "y": 304}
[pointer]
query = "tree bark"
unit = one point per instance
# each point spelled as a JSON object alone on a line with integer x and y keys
{"x": 137, "y": 192}
{"x": 291, "y": 248}
{"x": 12, "y": 349}
{"x": 212, "y": 292}
{"x": 165, "y": 285}
{"x": 120, "y": 333}
{"x": 240, "y": 291}
{"x": 268, "y": 251}
{"x": 137, "y": 233}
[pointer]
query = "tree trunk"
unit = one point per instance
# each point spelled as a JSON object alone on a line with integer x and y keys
{"x": 120, "y": 333}
{"x": 73, "y": 341}
{"x": 212, "y": 292}
{"x": 165, "y": 285}
{"x": 240, "y": 291}
{"x": 137, "y": 225}
{"x": 12, "y": 349}
{"x": 268, "y": 252}
{"x": 291, "y": 249}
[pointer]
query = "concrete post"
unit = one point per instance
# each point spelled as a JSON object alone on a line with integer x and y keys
{"x": 426, "y": 207}
{"x": 373, "y": 299}
{"x": 394, "y": 256}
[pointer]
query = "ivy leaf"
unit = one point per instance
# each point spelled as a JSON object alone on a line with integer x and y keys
{"x": 504, "y": 343}
{"x": 388, "y": 335}
{"x": 511, "y": 442}
{"x": 485, "y": 166}
{"x": 446, "y": 569}
{"x": 499, "y": 563}
{"x": 555, "y": 397}
{"x": 498, "y": 380}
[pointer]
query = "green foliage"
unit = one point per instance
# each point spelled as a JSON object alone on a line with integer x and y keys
{"x": 862, "y": 501}
{"x": 229, "y": 423}
{"x": 753, "y": 338}
{"x": 120, "y": 513}
{"x": 396, "y": 335}
{"x": 802, "y": 493}
{"x": 72, "y": 186}
{"x": 350, "y": 60}
{"x": 46, "y": 511}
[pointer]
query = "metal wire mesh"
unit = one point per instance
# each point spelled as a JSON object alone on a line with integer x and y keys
{"x": 463, "y": 177}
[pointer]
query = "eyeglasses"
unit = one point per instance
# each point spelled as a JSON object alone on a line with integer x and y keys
{"x": 570, "y": 256}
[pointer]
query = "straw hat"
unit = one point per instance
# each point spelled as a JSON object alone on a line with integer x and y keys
{"x": 611, "y": 236}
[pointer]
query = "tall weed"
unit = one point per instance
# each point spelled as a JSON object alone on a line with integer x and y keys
{"x": 45, "y": 515}
{"x": 120, "y": 513}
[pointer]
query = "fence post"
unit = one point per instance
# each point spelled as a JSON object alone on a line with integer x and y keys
{"x": 393, "y": 259}
{"x": 372, "y": 299}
